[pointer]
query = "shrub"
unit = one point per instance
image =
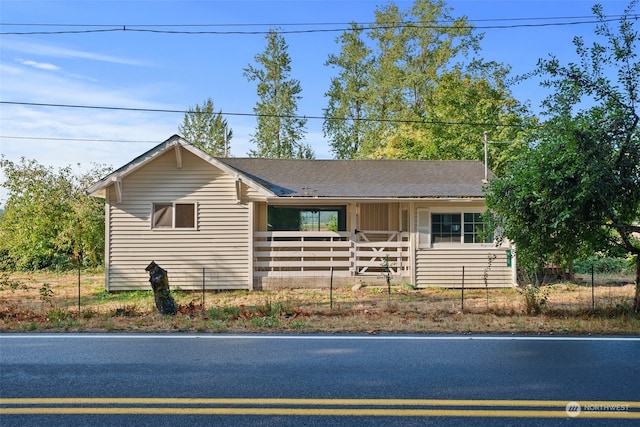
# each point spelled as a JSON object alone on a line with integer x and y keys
{"x": 534, "y": 298}
{"x": 601, "y": 265}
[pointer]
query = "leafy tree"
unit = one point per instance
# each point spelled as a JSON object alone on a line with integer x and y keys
{"x": 454, "y": 125}
{"x": 579, "y": 186}
{"x": 417, "y": 91}
{"x": 48, "y": 221}
{"x": 206, "y": 129}
{"x": 280, "y": 130}
{"x": 348, "y": 94}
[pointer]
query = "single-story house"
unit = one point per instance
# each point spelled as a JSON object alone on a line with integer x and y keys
{"x": 250, "y": 223}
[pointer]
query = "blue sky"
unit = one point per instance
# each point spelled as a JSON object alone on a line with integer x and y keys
{"x": 177, "y": 71}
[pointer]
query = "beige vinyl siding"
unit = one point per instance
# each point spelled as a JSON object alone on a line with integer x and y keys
{"x": 443, "y": 267}
{"x": 220, "y": 243}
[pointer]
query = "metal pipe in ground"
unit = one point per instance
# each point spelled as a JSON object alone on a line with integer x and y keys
{"x": 462, "y": 297}
{"x": 79, "y": 270}
{"x": 593, "y": 291}
{"x": 331, "y": 289}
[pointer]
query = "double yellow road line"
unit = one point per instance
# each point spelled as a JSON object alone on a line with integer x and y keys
{"x": 322, "y": 407}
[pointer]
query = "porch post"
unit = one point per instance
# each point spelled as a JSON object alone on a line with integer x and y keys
{"x": 252, "y": 237}
{"x": 412, "y": 242}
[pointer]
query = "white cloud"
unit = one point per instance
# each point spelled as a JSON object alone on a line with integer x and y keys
{"x": 56, "y": 51}
{"x": 39, "y": 65}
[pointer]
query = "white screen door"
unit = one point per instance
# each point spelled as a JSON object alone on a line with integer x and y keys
{"x": 424, "y": 236}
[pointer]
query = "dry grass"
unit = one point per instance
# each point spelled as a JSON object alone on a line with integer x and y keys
{"x": 49, "y": 302}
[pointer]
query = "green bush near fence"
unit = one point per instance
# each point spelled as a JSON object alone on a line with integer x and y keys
{"x": 602, "y": 265}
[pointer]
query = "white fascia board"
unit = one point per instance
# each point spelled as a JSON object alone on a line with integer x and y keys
{"x": 325, "y": 200}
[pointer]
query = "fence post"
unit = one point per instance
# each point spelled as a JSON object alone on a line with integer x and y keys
{"x": 593, "y": 294}
{"x": 463, "y": 288}
{"x": 331, "y": 290}
{"x": 79, "y": 267}
{"x": 203, "y": 283}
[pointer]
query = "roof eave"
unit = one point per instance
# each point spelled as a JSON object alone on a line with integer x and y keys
{"x": 220, "y": 164}
{"x": 374, "y": 199}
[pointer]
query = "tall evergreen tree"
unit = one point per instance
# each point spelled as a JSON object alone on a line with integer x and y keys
{"x": 280, "y": 131}
{"x": 206, "y": 129}
{"x": 348, "y": 94}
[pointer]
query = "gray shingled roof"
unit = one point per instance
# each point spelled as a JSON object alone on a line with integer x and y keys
{"x": 364, "y": 178}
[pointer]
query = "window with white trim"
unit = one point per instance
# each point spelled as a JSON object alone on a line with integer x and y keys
{"x": 459, "y": 227}
{"x": 173, "y": 215}
{"x": 445, "y": 227}
{"x": 475, "y": 228}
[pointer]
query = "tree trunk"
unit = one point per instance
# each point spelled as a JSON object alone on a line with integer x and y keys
{"x": 159, "y": 279}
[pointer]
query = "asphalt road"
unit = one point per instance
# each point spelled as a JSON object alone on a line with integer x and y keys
{"x": 119, "y": 380}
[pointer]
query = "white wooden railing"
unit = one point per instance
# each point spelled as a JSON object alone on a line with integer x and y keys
{"x": 296, "y": 253}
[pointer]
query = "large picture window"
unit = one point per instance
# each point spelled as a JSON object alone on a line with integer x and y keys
{"x": 173, "y": 215}
{"x": 288, "y": 218}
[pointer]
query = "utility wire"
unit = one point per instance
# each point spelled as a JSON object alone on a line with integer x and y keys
{"x": 292, "y": 24}
{"x": 149, "y": 29}
{"x": 288, "y": 116}
{"x": 134, "y": 141}
{"x": 40, "y": 138}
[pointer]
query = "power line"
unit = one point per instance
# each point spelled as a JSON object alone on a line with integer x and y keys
{"x": 148, "y": 28}
{"x": 39, "y": 138}
{"x": 287, "y": 116}
{"x": 134, "y": 141}
{"x": 288, "y": 24}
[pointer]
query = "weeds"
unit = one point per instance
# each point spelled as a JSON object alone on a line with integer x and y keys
{"x": 57, "y": 315}
{"x": 224, "y": 313}
{"x": 561, "y": 308}
{"x": 264, "y": 322}
{"x": 129, "y": 310}
{"x": 534, "y": 298}
{"x": 103, "y": 295}
{"x": 46, "y": 294}
{"x": 299, "y": 324}
{"x": 7, "y": 282}
{"x": 89, "y": 313}
{"x": 407, "y": 286}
